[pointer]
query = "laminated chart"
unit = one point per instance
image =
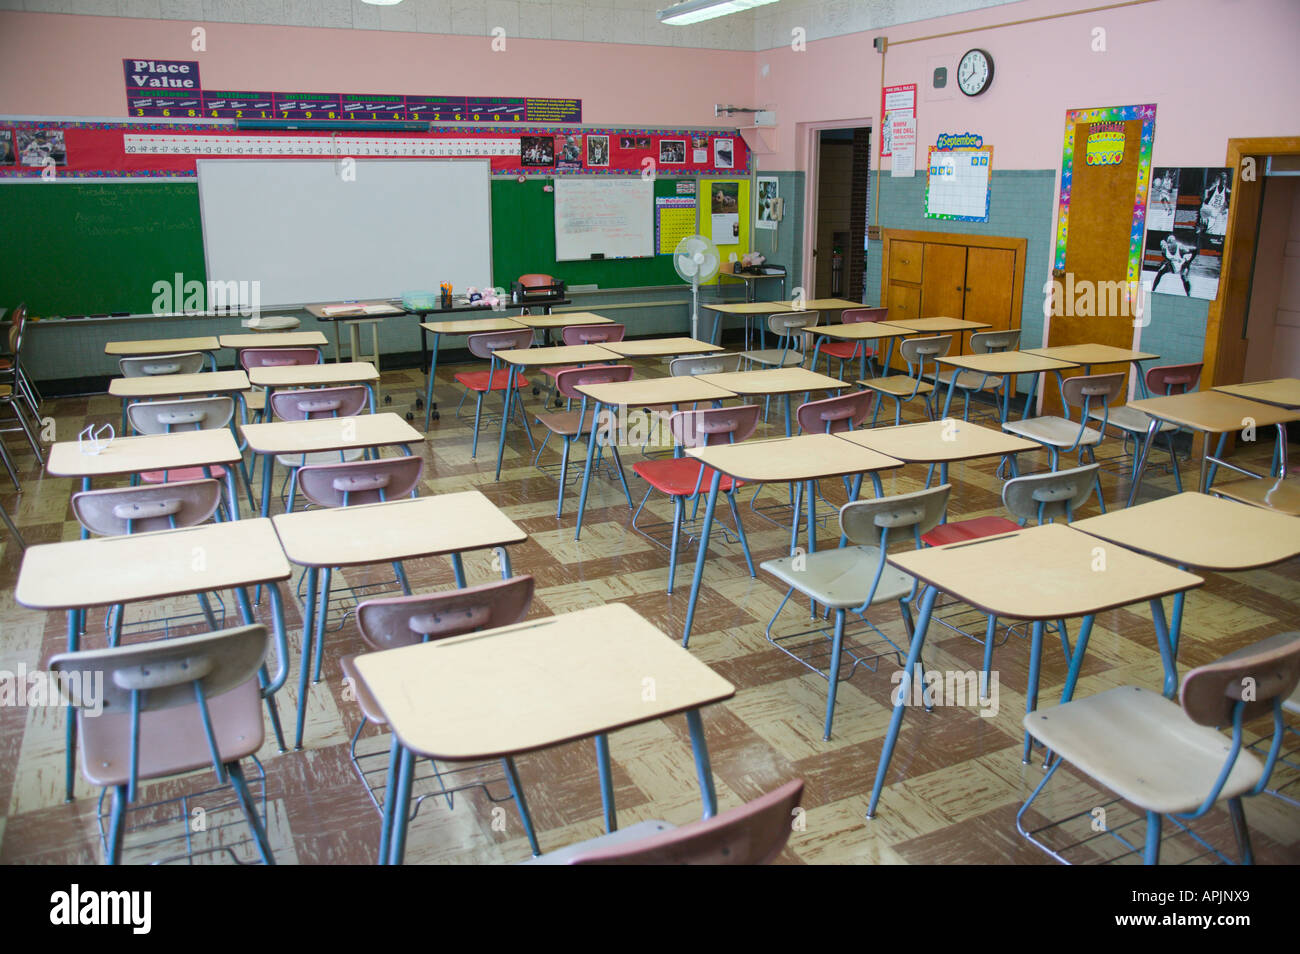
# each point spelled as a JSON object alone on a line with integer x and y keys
{"x": 957, "y": 184}
{"x": 674, "y": 220}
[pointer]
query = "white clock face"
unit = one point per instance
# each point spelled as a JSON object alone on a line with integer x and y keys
{"x": 974, "y": 72}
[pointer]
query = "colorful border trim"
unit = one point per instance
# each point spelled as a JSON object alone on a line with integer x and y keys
{"x": 1145, "y": 113}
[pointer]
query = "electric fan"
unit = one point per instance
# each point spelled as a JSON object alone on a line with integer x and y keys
{"x": 696, "y": 260}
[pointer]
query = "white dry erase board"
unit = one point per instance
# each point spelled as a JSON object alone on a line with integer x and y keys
{"x": 610, "y": 218}
{"x": 312, "y": 230}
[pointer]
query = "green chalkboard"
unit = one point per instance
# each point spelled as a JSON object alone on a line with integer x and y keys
{"x": 523, "y": 241}
{"x": 89, "y": 248}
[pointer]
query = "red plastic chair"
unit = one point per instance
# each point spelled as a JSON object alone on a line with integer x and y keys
{"x": 752, "y": 834}
{"x": 404, "y": 621}
{"x": 682, "y": 478}
{"x": 484, "y": 345}
{"x": 846, "y": 350}
{"x": 571, "y": 425}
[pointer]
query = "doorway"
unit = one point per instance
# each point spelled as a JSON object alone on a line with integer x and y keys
{"x": 839, "y": 162}
{"x": 1273, "y": 315}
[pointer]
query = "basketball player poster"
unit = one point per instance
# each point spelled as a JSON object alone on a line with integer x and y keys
{"x": 1187, "y": 217}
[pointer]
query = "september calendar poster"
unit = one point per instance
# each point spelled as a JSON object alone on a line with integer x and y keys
{"x": 1187, "y": 217}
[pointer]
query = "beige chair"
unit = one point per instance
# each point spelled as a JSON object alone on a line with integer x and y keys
{"x": 1174, "y": 760}
{"x": 188, "y": 362}
{"x": 901, "y": 388}
{"x": 788, "y": 328}
{"x": 972, "y": 382}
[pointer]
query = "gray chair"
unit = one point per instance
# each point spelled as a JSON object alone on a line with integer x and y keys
{"x": 855, "y": 577}
{"x": 972, "y": 382}
{"x": 788, "y": 327}
{"x": 187, "y": 362}
{"x": 717, "y": 363}
{"x": 901, "y": 388}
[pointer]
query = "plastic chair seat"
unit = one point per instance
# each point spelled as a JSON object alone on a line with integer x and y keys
{"x": 846, "y": 349}
{"x": 318, "y": 457}
{"x": 489, "y": 380}
{"x": 172, "y": 740}
{"x": 841, "y": 578}
{"x": 620, "y": 836}
{"x": 255, "y": 400}
{"x": 1130, "y": 419}
{"x": 972, "y": 380}
{"x": 678, "y": 476}
{"x": 774, "y": 357}
{"x": 963, "y": 530}
{"x": 365, "y": 699}
{"x": 565, "y": 423}
{"x": 181, "y": 473}
{"x": 1054, "y": 431}
{"x": 552, "y": 372}
{"x": 1268, "y": 493}
{"x": 897, "y": 384}
{"x": 1144, "y": 748}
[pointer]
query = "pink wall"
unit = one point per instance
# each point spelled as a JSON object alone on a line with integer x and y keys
{"x": 1216, "y": 69}
{"x": 56, "y": 65}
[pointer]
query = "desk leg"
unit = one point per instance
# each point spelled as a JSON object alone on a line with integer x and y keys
{"x": 701, "y": 555}
{"x": 338, "y": 343}
{"x": 947, "y": 402}
{"x": 1031, "y": 695}
{"x": 85, "y": 485}
{"x": 231, "y": 490}
{"x": 789, "y": 422}
{"x": 1142, "y": 459}
{"x": 505, "y": 411}
{"x": 268, "y": 465}
{"x": 586, "y": 473}
{"x": 308, "y": 631}
{"x": 703, "y": 770}
{"x": 401, "y": 807}
{"x": 1165, "y": 644}
{"x": 606, "y": 783}
{"x": 1029, "y": 398}
{"x": 1207, "y": 475}
{"x": 517, "y": 793}
{"x": 70, "y": 715}
{"x": 901, "y": 695}
{"x": 1076, "y": 660}
{"x": 432, "y": 366}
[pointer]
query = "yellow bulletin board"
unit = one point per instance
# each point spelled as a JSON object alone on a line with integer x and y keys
{"x": 726, "y": 243}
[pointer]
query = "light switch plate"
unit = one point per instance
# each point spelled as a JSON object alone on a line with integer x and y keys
{"x": 940, "y": 77}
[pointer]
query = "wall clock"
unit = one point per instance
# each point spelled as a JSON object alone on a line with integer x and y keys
{"x": 975, "y": 72}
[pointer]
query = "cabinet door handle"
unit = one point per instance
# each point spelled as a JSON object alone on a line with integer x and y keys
{"x": 968, "y": 288}
{"x": 905, "y": 261}
{"x": 959, "y": 288}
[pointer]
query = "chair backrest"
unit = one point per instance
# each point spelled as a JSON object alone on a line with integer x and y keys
{"x": 716, "y": 363}
{"x": 916, "y": 351}
{"x": 187, "y": 362}
{"x": 868, "y": 522}
{"x": 715, "y": 425}
{"x": 570, "y": 378}
{"x": 17, "y": 322}
{"x": 482, "y": 345}
{"x": 350, "y": 483}
{"x": 251, "y": 358}
{"x": 405, "y": 620}
{"x": 1173, "y": 378}
{"x": 983, "y": 342}
{"x": 165, "y": 671}
{"x": 188, "y": 414}
{"x": 148, "y": 507}
{"x": 592, "y": 334}
{"x": 1093, "y": 391}
{"x": 851, "y": 316}
{"x": 1256, "y": 676}
{"x": 831, "y": 415}
{"x": 314, "y": 404}
{"x": 750, "y": 834}
{"x": 789, "y": 323}
{"x": 534, "y": 280}
{"x": 1045, "y": 497}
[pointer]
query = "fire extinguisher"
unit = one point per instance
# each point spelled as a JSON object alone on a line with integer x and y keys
{"x": 837, "y": 272}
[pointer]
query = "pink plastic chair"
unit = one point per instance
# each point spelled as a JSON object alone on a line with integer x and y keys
{"x": 361, "y": 481}
{"x": 251, "y": 358}
{"x": 484, "y": 345}
{"x": 312, "y": 405}
{"x": 752, "y": 834}
{"x": 570, "y": 425}
{"x": 404, "y": 621}
{"x": 1133, "y": 424}
{"x": 576, "y": 335}
{"x": 846, "y": 350}
{"x": 844, "y": 412}
{"x": 682, "y": 478}
{"x": 190, "y": 414}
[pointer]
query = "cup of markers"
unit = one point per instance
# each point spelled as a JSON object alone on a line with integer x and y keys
{"x": 445, "y": 288}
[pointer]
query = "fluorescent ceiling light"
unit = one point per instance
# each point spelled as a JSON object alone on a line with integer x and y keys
{"x": 382, "y": 3}
{"x": 693, "y": 11}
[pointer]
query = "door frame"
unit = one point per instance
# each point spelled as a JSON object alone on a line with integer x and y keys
{"x": 808, "y": 158}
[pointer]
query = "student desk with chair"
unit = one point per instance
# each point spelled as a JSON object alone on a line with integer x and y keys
{"x": 461, "y": 326}
{"x": 316, "y": 376}
{"x": 274, "y": 339}
{"x": 153, "y": 387}
{"x": 775, "y": 382}
{"x": 674, "y": 347}
{"x": 208, "y": 345}
{"x": 535, "y": 685}
{"x": 938, "y": 442}
{"x": 749, "y": 311}
{"x": 362, "y": 431}
{"x": 857, "y": 332}
{"x": 1007, "y": 365}
{"x": 77, "y": 575}
{"x": 941, "y": 325}
{"x": 324, "y": 540}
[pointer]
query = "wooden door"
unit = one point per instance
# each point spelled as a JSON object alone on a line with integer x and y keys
{"x": 943, "y": 285}
{"x": 1096, "y": 251}
{"x": 990, "y": 284}
{"x": 905, "y": 262}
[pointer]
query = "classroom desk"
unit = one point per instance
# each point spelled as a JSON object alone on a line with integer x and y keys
{"x": 462, "y": 326}
{"x": 326, "y": 434}
{"x": 1007, "y": 364}
{"x": 1089, "y": 354}
{"x": 134, "y": 455}
{"x": 354, "y": 316}
{"x": 157, "y": 386}
{"x": 538, "y": 684}
{"x": 516, "y": 359}
{"x": 563, "y": 320}
{"x": 1198, "y": 532}
{"x": 316, "y": 376}
{"x": 1038, "y": 574}
{"x": 728, "y": 270}
{"x": 321, "y": 540}
{"x": 274, "y": 339}
{"x": 645, "y": 392}
{"x": 1210, "y": 412}
{"x": 1284, "y": 392}
{"x": 804, "y": 460}
{"x": 775, "y": 382}
{"x": 858, "y": 332}
{"x": 443, "y": 317}
{"x": 938, "y": 442}
{"x": 77, "y": 575}
{"x": 660, "y": 347}
{"x": 747, "y": 310}
{"x": 208, "y": 344}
